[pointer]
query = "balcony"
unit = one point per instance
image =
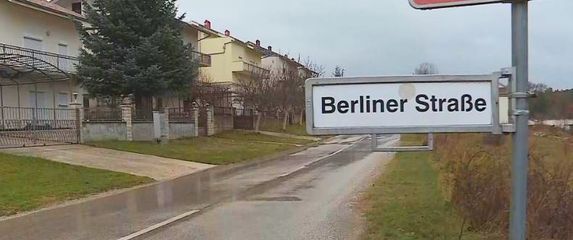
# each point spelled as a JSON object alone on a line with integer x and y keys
{"x": 250, "y": 69}
{"x": 16, "y": 61}
{"x": 204, "y": 59}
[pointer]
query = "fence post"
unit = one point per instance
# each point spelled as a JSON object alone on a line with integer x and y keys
{"x": 79, "y": 117}
{"x": 195, "y": 110}
{"x": 126, "y": 116}
{"x": 256, "y": 119}
{"x": 210, "y": 121}
{"x": 165, "y": 126}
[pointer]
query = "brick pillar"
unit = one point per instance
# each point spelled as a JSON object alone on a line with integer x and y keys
{"x": 126, "y": 116}
{"x": 195, "y": 111}
{"x": 78, "y": 115}
{"x": 210, "y": 121}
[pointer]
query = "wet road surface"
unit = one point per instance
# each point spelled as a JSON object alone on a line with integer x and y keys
{"x": 316, "y": 203}
{"x": 118, "y": 215}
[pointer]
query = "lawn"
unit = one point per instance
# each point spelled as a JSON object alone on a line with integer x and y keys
{"x": 226, "y": 148}
{"x": 28, "y": 183}
{"x": 406, "y": 203}
{"x": 276, "y": 126}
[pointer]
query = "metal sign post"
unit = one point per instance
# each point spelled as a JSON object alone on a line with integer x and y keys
{"x": 519, "y": 33}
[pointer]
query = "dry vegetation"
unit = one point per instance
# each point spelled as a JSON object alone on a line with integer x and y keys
{"x": 475, "y": 176}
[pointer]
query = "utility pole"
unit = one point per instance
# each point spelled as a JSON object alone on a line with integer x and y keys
{"x": 520, "y": 50}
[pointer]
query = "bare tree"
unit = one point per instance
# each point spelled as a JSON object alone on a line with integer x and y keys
{"x": 205, "y": 91}
{"x": 338, "y": 72}
{"x": 257, "y": 92}
{"x": 426, "y": 69}
{"x": 316, "y": 69}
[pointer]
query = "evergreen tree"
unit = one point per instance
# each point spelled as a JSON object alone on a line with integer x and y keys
{"x": 134, "y": 47}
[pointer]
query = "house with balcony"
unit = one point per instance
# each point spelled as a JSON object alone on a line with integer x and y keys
{"x": 280, "y": 64}
{"x": 38, "y": 45}
{"x": 232, "y": 59}
{"x": 190, "y": 34}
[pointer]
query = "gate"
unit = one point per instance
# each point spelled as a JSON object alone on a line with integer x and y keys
{"x": 244, "y": 119}
{"x": 25, "y": 127}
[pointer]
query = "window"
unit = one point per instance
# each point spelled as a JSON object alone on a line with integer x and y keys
{"x": 77, "y": 7}
{"x": 63, "y": 64}
{"x": 33, "y": 43}
{"x": 86, "y": 100}
{"x": 63, "y": 100}
{"x": 38, "y": 99}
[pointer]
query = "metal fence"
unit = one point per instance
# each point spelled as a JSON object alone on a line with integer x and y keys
{"x": 244, "y": 112}
{"x": 103, "y": 114}
{"x": 223, "y": 111}
{"x": 38, "y": 126}
{"x": 182, "y": 115}
{"x": 142, "y": 115}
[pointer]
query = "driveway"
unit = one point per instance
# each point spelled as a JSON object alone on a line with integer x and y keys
{"x": 158, "y": 168}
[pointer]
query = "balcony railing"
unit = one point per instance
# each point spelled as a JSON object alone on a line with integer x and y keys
{"x": 252, "y": 69}
{"x": 24, "y": 59}
{"x": 204, "y": 59}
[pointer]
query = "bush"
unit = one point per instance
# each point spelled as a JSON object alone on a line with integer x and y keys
{"x": 476, "y": 178}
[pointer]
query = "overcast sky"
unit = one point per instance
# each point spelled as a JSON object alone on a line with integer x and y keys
{"x": 388, "y": 37}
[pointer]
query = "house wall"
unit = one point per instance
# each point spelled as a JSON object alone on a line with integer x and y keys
{"x": 18, "y": 21}
{"x": 220, "y": 50}
{"x": 190, "y": 35}
{"x": 48, "y": 95}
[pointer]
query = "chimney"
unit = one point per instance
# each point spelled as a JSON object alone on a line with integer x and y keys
{"x": 270, "y": 48}
{"x": 258, "y": 42}
{"x": 207, "y": 24}
{"x": 227, "y": 33}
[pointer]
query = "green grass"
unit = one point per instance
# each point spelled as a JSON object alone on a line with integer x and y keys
{"x": 276, "y": 126}
{"x": 225, "y": 148}
{"x": 28, "y": 183}
{"x": 406, "y": 203}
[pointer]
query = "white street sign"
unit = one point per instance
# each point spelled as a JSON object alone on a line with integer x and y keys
{"x": 407, "y": 104}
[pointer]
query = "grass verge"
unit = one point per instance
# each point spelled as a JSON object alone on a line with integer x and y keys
{"x": 294, "y": 129}
{"x": 406, "y": 203}
{"x": 28, "y": 183}
{"x": 225, "y": 148}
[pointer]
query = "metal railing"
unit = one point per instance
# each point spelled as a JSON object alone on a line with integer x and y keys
{"x": 103, "y": 114}
{"x": 256, "y": 70}
{"x": 181, "y": 115}
{"x": 29, "y": 58}
{"x": 244, "y": 112}
{"x": 222, "y": 110}
{"x": 21, "y": 126}
{"x": 203, "y": 59}
{"x": 142, "y": 115}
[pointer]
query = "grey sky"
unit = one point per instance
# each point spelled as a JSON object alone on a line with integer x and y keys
{"x": 388, "y": 37}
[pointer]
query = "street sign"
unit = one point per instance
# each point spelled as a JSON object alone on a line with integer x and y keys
{"x": 430, "y": 4}
{"x": 403, "y": 104}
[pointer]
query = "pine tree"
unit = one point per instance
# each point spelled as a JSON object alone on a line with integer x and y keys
{"x": 134, "y": 47}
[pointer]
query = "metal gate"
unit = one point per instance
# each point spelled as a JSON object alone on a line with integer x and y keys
{"x": 244, "y": 119}
{"x": 25, "y": 127}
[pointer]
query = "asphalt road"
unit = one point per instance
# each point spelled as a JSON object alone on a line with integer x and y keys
{"x": 319, "y": 202}
{"x": 127, "y": 213}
